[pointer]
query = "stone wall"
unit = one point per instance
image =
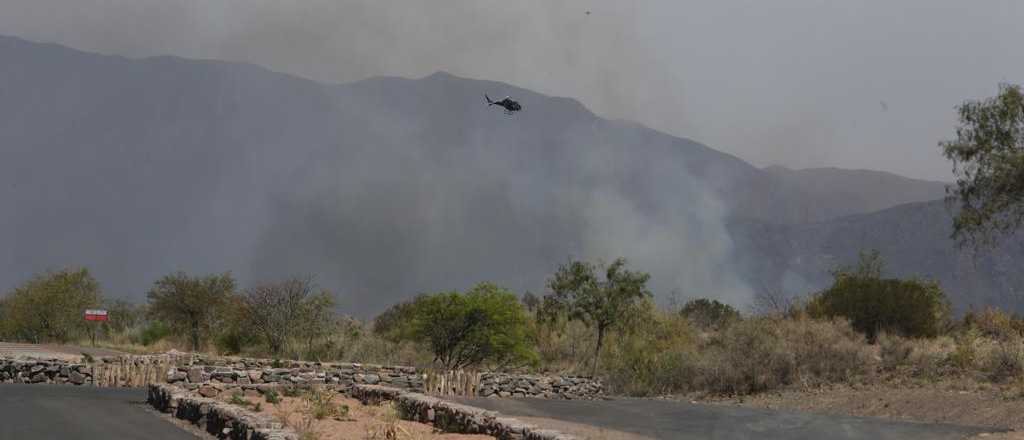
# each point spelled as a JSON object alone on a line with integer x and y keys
{"x": 330, "y": 374}
{"x": 221, "y": 373}
{"x": 453, "y": 417}
{"x": 44, "y": 371}
{"x": 113, "y": 372}
{"x": 462, "y": 383}
{"x": 220, "y": 419}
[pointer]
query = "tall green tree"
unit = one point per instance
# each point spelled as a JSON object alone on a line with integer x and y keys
{"x": 51, "y": 306}
{"x": 988, "y": 161}
{"x": 190, "y": 305}
{"x": 602, "y": 303}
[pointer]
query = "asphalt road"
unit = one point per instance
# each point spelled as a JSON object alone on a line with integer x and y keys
{"x": 668, "y": 419}
{"x": 81, "y": 413}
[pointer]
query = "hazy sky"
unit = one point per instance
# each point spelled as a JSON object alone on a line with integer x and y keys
{"x": 863, "y": 84}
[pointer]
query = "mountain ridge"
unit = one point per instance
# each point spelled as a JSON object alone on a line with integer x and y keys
{"x": 388, "y": 187}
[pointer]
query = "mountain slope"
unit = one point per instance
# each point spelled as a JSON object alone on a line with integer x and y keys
{"x": 383, "y": 188}
{"x": 851, "y": 191}
{"x": 912, "y": 238}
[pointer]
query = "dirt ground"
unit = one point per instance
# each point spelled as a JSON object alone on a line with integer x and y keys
{"x": 954, "y": 402}
{"x": 362, "y": 422}
{"x": 71, "y": 353}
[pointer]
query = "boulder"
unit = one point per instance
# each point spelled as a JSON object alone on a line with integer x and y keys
{"x": 176, "y": 376}
{"x": 196, "y": 375}
{"x": 76, "y": 378}
{"x": 208, "y": 391}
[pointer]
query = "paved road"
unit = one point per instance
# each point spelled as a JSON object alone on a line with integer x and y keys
{"x": 667, "y": 419}
{"x": 81, "y": 413}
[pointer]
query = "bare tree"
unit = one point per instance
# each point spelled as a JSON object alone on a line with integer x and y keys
{"x": 275, "y": 310}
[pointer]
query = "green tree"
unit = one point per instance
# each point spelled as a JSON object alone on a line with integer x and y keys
{"x": 709, "y": 313}
{"x": 988, "y": 160}
{"x": 578, "y": 293}
{"x": 486, "y": 325}
{"x": 912, "y": 308}
{"x": 190, "y": 305}
{"x": 122, "y": 316}
{"x": 50, "y": 306}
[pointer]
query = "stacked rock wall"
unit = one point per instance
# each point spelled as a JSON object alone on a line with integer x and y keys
{"x": 453, "y": 417}
{"x": 217, "y": 418}
{"x": 462, "y": 383}
{"x": 222, "y": 373}
{"x": 330, "y": 374}
{"x": 45, "y": 371}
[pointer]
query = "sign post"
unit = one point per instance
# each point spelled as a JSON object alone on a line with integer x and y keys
{"x": 96, "y": 315}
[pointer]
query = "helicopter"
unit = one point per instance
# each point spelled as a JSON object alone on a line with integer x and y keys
{"x": 507, "y": 103}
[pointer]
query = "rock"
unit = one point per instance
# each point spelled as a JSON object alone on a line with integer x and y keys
{"x": 76, "y": 378}
{"x": 208, "y": 391}
{"x": 176, "y": 376}
{"x": 371, "y": 379}
{"x": 255, "y": 376}
{"x": 36, "y": 368}
{"x": 195, "y": 374}
{"x": 38, "y": 377}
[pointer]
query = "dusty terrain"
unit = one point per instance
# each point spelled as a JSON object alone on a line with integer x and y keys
{"x": 53, "y": 351}
{"x": 959, "y": 402}
{"x": 362, "y": 421}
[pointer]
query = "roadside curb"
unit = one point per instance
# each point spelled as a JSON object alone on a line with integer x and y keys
{"x": 454, "y": 417}
{"x": 217, "y": 418}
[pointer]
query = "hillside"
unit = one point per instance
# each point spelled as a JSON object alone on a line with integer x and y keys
{"x": 383, "y": 188}
{"x": 913, "y": 239}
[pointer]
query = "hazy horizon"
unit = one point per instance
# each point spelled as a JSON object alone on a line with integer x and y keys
{"x": 801, "y": 84}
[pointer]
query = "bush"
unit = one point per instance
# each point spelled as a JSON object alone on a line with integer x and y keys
{"x": 762, "y": 354}
{"x": 709, "y": 314}
{"x": 658, "y": 358}
{"x": 1005, "y": 361}
{"x": 154, "y": 332}
{"x": 994, "y": 323}
{"x": 894, "y": 350}
{"x": 912, "y": 308}
{"x": 486, "y": 325}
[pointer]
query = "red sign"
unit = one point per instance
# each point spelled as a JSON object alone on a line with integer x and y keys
{"x": 95, "y": 315}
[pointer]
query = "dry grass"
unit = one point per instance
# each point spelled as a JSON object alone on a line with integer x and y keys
{"x": 322, "y": 414}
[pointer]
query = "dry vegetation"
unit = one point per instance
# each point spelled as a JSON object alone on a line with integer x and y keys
{"x": 323, "y": 414}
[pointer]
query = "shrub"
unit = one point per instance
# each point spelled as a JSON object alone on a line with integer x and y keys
{"x": 965, "y": 353}
{"x": 658, "y": 358}
{"x": 709, "y": 314}
{"x": 995, "y": 324}
{"x": 154, "y": 332}
{"x": 1005, "y": 361}
{"x": 486, "y": 325}
{"x": 761, "y": 354}
{"x": 272, "y": 397}
{"x": 912, "y": 308}
{"x": 894, "y": 350}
